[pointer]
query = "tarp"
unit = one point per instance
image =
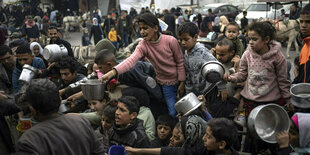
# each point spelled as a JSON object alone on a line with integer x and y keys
{"x": 137, "y": 4}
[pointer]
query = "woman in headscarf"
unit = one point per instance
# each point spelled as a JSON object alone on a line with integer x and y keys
{"x": 206, "y": 27}
{"x": 37, "y": 50}
{"x": 97, "y": 31}
{"x": 223, "y": 22}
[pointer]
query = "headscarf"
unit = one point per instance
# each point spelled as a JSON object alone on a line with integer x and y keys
{"x": 193, "y": 128}
{"x": 94, "y": 21}
{"x": 180, "y": 18}
{"x": 224, "y": 22}
{"x": 33, "y": 44}
{"x": 302, "y": 122}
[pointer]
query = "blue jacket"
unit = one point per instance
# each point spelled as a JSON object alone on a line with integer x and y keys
{"x": 37, "y": 63}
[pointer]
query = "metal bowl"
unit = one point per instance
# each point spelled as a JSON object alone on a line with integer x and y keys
{"x": 93, "y": 89}
{"x": 187, "y": 104}
{"x": 28, "y": 73}
{"x": 265, "y": 121}
{"x": 300, "y": 95}
{"x": 212, "y": 71}
{"x": 54, "y": 52}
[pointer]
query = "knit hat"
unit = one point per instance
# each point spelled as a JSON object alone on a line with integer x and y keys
{"x": 105, "y": 44}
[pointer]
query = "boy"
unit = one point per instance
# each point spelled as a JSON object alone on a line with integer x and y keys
{"x": 196, "y": 54}
{"x": 304, "y": 63}
{"x": 24, "y": 56}
{"x": 232, "y": 33}
{"x": 85, "y": 38}
{"x": 128, "y": 129}
{"x": 220, "y": 136}
{"x": 164, "y": 127}
{"x": 113, "y": 36}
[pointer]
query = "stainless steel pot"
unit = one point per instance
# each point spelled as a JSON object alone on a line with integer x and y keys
{"x": 54, "y": 52}
{"x": 212, "y": 71}
{"x": 28, "y": 73}
{"x": 187, "y": 104}
{"x": 265, "y": 121}
{"x": 300, "y": 95}
{"x": 93, "y": 89}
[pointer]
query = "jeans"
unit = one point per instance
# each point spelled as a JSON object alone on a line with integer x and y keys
{"x": 115, "y": 44}
{"x": 124, "y": 39}
{"x": 170, "y": 93}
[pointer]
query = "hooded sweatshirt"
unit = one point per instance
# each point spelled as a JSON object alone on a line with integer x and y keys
{"x": 265, "y": 75}
{"x": 193, "y": 62}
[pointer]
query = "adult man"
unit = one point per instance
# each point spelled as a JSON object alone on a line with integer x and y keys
{"x": 7, "y": 103}
{"x": 68, "y": 72}
{"x": 107, "y": 24}
{"x": 123, "y": 27}
{"x": 30, "y": 30}
{"x": 24, "y": 56}
{"x": 304, "y": 63}
{"x": 55, "y": 134}
{"x": 53, "y": 35}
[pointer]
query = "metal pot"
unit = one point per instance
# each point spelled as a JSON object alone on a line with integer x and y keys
{"x": 265, "y": 121}
{"x": 54, "y": 52}
{"x": 93, "y": 89}
{"x": 300, "y": 95}
{"x": 212, "y": 71}
{"x": 187, "y": 104}
{"x": 28, "y": 73}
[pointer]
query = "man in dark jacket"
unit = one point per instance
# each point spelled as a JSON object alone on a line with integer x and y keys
{"x": 107, "y": 24}
{"x": 128, "y": 130}
{"x": 53, "y": 35}
{"x": 30, "y": 29}
{"x": 122, "y": 29}
{"x": 7, "y": 102}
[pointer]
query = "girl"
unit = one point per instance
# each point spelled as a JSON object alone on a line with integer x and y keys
{"x": 164, "y": 53}
{"x": 96, "y": 30}
{"x": 37, "y": 50}
{"x": 263, "y": 67}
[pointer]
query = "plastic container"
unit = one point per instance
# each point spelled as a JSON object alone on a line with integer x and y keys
{"x": 117, "y": 150}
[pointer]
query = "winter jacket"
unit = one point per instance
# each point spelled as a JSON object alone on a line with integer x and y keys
{"x": 146, "y": 115}
{"x": 37, "y": 63}
{"x": 304, "y": 64}
{"x": 265, "y": 75}
{"x": 31, "y": 32}
{"x": 193, "y": 62}
{"x": 122, "y": 26}
{"x": 85, "y": 40}
{"x": 133, "y": 135}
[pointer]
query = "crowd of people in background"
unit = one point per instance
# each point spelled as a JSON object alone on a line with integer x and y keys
{"x": 145, "y": 69}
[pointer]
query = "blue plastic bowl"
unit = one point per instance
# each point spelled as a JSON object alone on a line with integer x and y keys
{"x": 117, "y": 150}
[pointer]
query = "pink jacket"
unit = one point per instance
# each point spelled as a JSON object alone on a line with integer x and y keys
{"x": 266, "y": 75}
{"x": 165, "y": 55}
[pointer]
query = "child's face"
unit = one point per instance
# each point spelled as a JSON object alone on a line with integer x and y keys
{"x": 104, "y": 68}
{"x": 232, "y": 32}
{"x": 148, "y": 33}
{"x": 223, "y": 55}
{"x": 210, "y": 141}
{"x": 163, "y": 131}
{"x": 86, "y": 31}
{"x": 177, "y": 138}
{"x": 112, "y": 29}
{"x": 187, "y": 42}
{"x": 25, "y": 58}
{"x": 256, "y": 42}
{"x": 305, "y": 24}
{"x": 97, "y": 105}
{"x": 122, "y": 116}
{"x": 106, "y": 123}
{"x": 36, "y": 50}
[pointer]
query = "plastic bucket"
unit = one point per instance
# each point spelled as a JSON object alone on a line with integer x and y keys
{"x": 117, "y": 150}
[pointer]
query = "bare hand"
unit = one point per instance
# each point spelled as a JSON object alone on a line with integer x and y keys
{"x": 283, "y": 139}
{"x": 202, "y": 99}
{"x": 223, "y": 94}
{"x": 180, "y": 91}
{"x": 50, "y": 66}
{"x": 61, "y": 92}
{"x": 130, "y": 150}
{"x": 226, "y": 77}
{"x": 75, "y": 97}
{"x": 108, "y": 76}
{"x": 213, "y": 50}
{"x": 3, "y": 96}
{"x": 289, "y": 106}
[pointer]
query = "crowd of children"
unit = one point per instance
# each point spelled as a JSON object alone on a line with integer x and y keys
{"x": 137, "y": 109}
